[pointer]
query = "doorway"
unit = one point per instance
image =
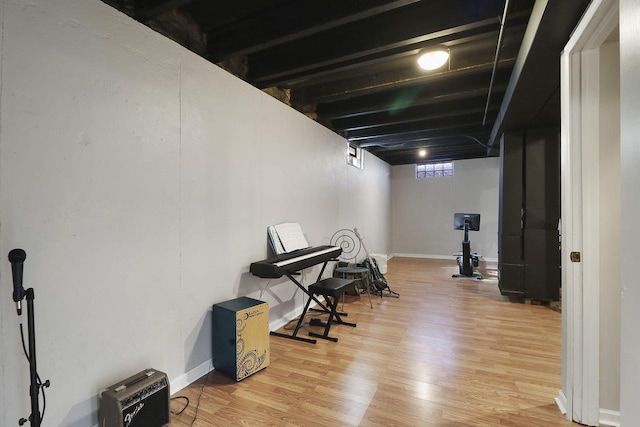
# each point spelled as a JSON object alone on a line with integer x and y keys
{"x": 590, "y": 159}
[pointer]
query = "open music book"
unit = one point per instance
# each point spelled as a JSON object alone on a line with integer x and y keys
{"x": 286, "y": 237}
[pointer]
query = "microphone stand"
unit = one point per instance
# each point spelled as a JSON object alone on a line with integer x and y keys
{"x": 34, "y": 389}
{"x": 16, "y": 258}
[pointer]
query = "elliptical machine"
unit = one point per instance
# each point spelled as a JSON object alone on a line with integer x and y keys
{"x": 467, "y": 259}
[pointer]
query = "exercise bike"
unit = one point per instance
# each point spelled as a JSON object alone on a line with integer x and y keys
{"x": 467, "y": 259}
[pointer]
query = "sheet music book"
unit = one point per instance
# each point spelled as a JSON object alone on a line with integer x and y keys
{"x": 274, "y": 240}
{"x": 287, "y": 237}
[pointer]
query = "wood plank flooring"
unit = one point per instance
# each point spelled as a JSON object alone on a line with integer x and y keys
{"x": 448, "y": 352}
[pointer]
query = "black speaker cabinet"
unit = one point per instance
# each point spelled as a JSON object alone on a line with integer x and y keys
{"x": 141, "y": 400}
{"x": 528, "y": 246}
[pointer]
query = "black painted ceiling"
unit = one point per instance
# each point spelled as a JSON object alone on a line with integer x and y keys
{"x": 351, "y": 64}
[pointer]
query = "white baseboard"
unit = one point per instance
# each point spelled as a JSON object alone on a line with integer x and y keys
{"x": 606, "y": 418}
{"x": 205, "y": 367}
{"x": 561, "y": 401}
{"x": 429, "y": 256}
{"x": 405, "y": 255}
{"x": 192, "y": 375}
{"x": 609, "y": 418}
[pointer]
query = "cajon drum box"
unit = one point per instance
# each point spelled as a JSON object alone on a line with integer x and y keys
{"x": 240, "y": 337}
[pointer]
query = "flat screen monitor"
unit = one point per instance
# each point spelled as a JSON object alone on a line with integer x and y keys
{"x": 460, "y": 218}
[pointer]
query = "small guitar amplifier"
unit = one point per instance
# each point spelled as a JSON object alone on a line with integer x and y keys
{"x": 141, "y": 400}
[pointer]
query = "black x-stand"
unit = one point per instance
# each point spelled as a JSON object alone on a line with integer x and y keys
{"x": 16, "y": 258}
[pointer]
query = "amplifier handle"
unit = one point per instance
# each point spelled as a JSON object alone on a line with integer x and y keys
{"x": 134, "y": 381}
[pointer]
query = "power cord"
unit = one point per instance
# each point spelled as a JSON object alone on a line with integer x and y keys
{"x": 186, "y": 405}
{"x": 265, "y": 288}
{"x": 195, "y": 416}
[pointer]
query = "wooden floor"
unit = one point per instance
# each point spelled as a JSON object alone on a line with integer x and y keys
{"x": 448, "y": 352}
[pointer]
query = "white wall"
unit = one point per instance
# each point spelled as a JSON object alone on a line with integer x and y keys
{"x": 140, "y": 180}
{"x": 422, "y": 209}
{"x": 370, "y": 194}
{"x": 630, "y": 196}
{"x": 610, "y": 227}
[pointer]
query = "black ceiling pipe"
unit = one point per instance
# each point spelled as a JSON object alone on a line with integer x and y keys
{"x": 495, "y": 62}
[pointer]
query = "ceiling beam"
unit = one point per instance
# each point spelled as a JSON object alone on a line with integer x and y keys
{"x": 347, "y": 110}
{"x": 379, "y": 124}
{"x": 445, "y": 120}
{"x": 461, "y": 48}
{"x": 449, "y": 142}
{"x": 298, "y": 58}
{"x": 240, "y": 38}
{"x": 448, "y": 149}
{"x": 536, "y": 74}
{"x": 451, "y": 130}
{"x": 473, "y": 99}
{"x": 154, "y": 9}
{"x": 399, "y": 79}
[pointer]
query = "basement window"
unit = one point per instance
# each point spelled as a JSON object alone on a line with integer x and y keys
{"x": 434, "y": 170}
{"x": 354, "y": 156}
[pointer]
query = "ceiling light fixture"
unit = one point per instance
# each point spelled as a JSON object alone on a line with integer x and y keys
{"x": 422, "y": 152}
{"x": 433, "y": 59}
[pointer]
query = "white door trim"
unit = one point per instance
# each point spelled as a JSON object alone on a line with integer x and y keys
{"x": 579, "y": 397}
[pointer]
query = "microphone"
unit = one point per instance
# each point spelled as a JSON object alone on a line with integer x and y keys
{"x": 16, "y": 258}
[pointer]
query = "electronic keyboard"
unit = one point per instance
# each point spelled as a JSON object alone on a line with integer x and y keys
{"x": 291, "y": 262}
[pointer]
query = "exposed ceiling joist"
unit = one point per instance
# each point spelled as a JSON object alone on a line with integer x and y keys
{"x": 240, "y": 39}
{"x": 154, "y": 9}
{"x": 350, "y": 65}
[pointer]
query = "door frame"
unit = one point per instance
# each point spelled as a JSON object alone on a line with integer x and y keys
{"x": 579, "y": 76}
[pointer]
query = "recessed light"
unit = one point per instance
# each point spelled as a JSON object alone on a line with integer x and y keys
{"x": 432, "y": 59}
